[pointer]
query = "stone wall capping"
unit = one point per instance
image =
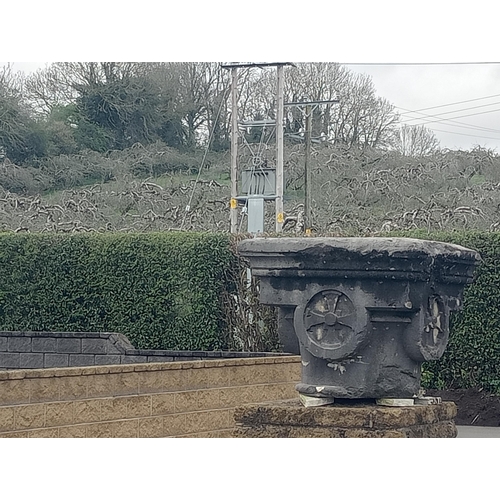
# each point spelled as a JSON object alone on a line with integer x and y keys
{"x": 141, "y": 367}
{"x": 75, "y": 349}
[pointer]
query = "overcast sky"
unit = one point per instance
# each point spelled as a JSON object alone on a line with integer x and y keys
{"x": 386, "y": 31}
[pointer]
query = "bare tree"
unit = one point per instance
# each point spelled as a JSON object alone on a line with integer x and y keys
{"x": 415, "y": 140}
{"x": 61, "y": 83}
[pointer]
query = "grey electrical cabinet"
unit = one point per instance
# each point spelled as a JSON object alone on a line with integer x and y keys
{"x": 255, "y": 215}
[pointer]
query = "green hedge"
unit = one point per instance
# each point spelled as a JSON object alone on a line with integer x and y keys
{"x": 187, "y": 290}
{"x": 161, "y": 290}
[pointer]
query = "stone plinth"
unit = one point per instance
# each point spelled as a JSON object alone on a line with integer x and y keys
{"x": 289, "y": 419}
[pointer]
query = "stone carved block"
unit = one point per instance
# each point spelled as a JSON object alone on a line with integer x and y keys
{"x": 367, "y": 312}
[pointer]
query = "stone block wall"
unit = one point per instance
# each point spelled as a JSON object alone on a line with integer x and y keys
{"x": 24, "y": 350}
{"x": 178, "y": 399}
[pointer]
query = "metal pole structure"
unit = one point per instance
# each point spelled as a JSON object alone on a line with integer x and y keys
{"x": 234, "y": 150}
{"x": 279, "y": 151}
{"x": 309, "y": 107}
{"x": 307, "y": 172}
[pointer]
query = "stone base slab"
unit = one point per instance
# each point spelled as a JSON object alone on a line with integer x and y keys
{"x": 290, "y": 419}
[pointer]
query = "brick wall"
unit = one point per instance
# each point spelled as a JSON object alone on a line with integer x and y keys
{"x": 22, "y": 350}
{"x": 179, "y": 399}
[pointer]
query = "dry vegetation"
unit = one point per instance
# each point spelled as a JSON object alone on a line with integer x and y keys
{"x": 156, "y": 188}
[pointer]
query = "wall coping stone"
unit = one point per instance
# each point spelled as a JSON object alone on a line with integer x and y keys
{"x": 82, "y": 347}
{"x": 30, "y": 373}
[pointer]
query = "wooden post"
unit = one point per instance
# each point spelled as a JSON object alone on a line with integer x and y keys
{"x": 279, "y": 151}
{"x": 234, "y": 151}
{"x": 307, "y": 171}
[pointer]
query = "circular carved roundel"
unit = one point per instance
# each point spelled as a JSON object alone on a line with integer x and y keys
{"x": 329, "y": 319}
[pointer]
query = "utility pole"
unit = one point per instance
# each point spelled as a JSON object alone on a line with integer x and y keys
{"x": 279, "y": 150}
{"x": 307, "y": 108}
{"x": 234, "y": 150}
{"x": 307, "y": 172}
{"x": 279, "y": 140}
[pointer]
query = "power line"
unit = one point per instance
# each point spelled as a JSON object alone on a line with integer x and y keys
{"x": 451, "y": 104}
{"x": 458, "y": 133}
{"x": 463, "y": 116}
{"x": 420, "y": 63}
{"x": 452, "y": 122}
{"x": 456, "y": 111}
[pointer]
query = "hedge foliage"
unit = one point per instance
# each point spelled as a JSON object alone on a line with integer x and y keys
{"x": 190, "y": 291}
{"x": 161, "y": 290}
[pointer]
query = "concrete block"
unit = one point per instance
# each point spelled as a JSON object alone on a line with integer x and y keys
{"x": 115, "y": 347}
{"x": 9, "y": 359}
{"x": 73, "y": 431}
{"x": 86, "y": 411}
{"x": 133, "y": 352}
{"x": 113, "y": 384}
{"x": 126, "y": 359}
{"x": 94, "y": 346}
{"x": 188, "y": 401}
{"x": 122, "y": 340}
{"x": 43, "y": 334}
{"x": 81, "y": 360}
{"x": 214, "y": 354}
{"x": 44, "y": 433}
{"x": 125, "y": 428}
{"x": 139, "y": 406}
{"x": 19, "y": 344}
{"x": 88, "y": 335}
{"x": 69, "y": 345}
{"x": 31, "y": 360}
{"x": 58, "y": 414}
{"x": 179, "y": 358}
{"x": 56, "y": 360}
{"x": 174, "y": 425}
{"x": 151, "y": 352}
{"x": 151, "y": 427}
{"x": 203, "y": 421}
{"x": 163, "y": 404}
{"x": 100, "y": 430}
{"x": 44, "y": 344}
{"x": 114, "y": 408}
{"x": 118, "y": 343}
{"x": 161, "y": 359}
{"x": 6, "y": 419}
{"x": 107, "y": 359}
{"x": 29, "y": 416}
{"x": 3, "y": 344}
{"x": 73, "y": 388}
{"x": 44, "y": 389}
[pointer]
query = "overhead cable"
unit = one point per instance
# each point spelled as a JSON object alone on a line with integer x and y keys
{"x": 450, "y": 104}
{"x": 452, "y": 123}
{"x": 437, "y": 115}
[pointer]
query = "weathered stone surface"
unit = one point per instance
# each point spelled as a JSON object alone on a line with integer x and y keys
{"x": 69, "y": 345}
{"x": 290, "y": 419}
{"x": 348, "y": 253}
{"x": 367, "y": 312}
{"x": 44, "y": 344}
{"x": 94, "y": 346}
{"x": 19, "y": 344}
{"x": 55, "y": 360}
{"x": 30, "y": 360}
